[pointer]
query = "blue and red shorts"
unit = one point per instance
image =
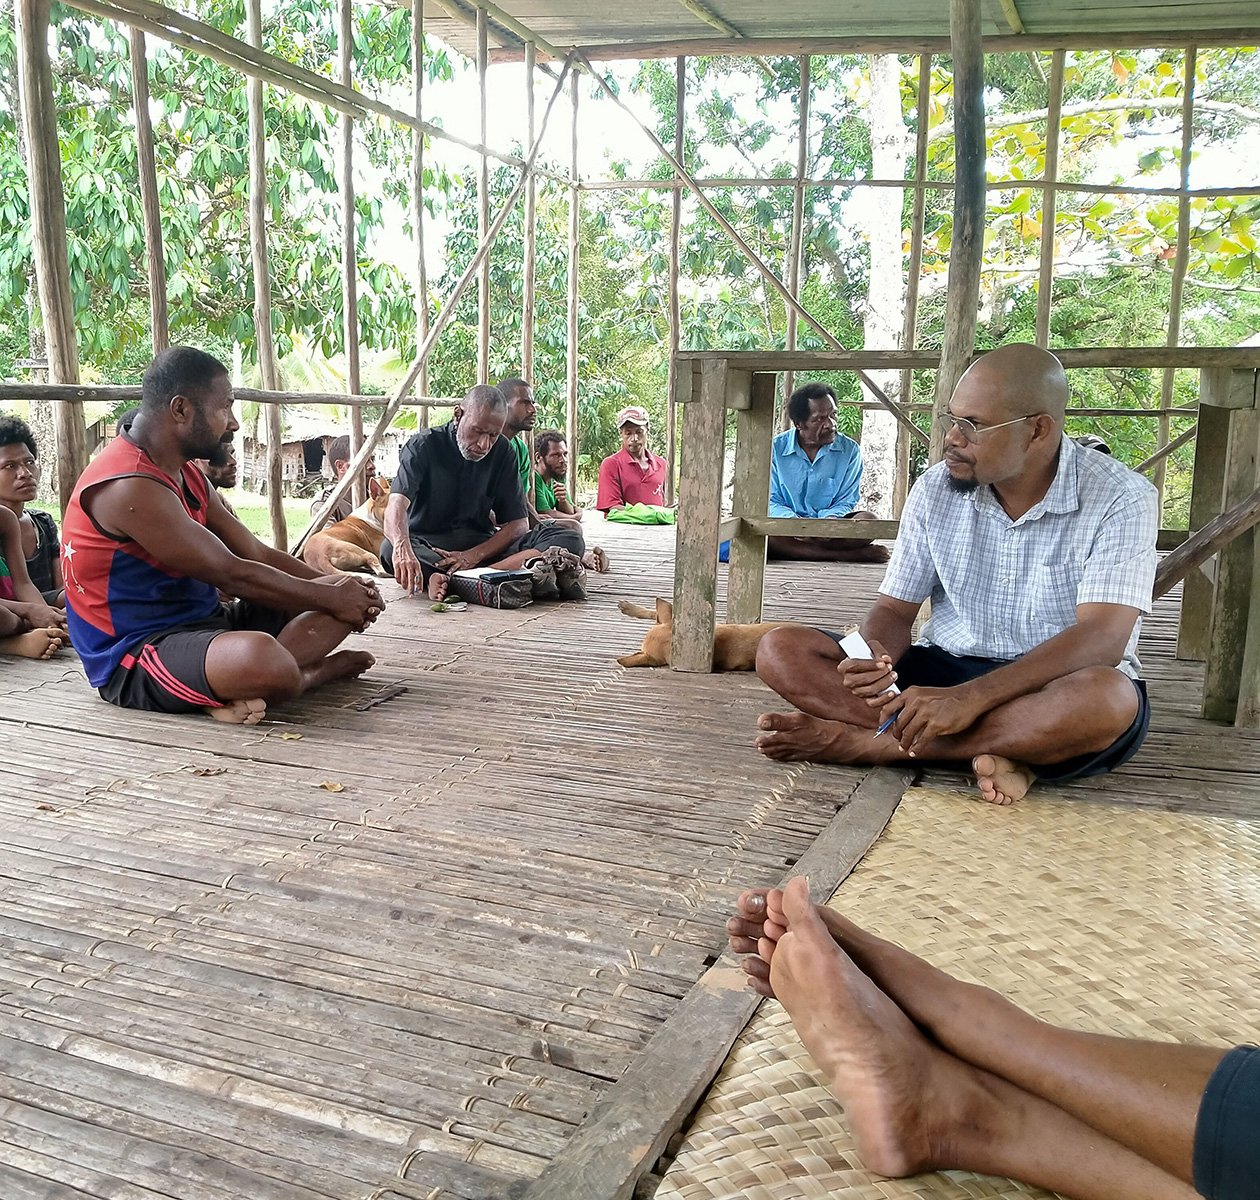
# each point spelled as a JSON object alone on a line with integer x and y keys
{"x": 167, "y": 671}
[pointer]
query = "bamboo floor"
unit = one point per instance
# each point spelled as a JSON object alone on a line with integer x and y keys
{"x": 403, "y": 951}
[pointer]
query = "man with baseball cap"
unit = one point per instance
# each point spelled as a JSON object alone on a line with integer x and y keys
{"x": 634, "y": 475}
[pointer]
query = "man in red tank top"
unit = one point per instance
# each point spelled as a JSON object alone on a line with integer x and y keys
{"x": 147, "y": 547}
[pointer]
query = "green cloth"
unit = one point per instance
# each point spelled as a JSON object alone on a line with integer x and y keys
{"x": 544, "y": 495}
{"x": 642, "y": 514}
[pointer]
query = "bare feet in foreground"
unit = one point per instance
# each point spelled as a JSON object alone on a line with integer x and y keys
{"x": 34, "y": 643}
{"x": 596, "y": 559}
{"x": 1001, "y": 781}
{"x": 798, "y": 737}
{"x": 438, "y": 585}
{"x": 240, "y": 712}
{"x": 884, "y": 1072}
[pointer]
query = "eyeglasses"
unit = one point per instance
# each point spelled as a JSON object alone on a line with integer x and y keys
{"x": 973, "y": 432}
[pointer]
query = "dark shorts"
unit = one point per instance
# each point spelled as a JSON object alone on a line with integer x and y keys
{"x": 930, "y": 666}
{"x": 544, "y": 535}
{"x": 167, "y": 671}
{"x": 1227, "y": 1133}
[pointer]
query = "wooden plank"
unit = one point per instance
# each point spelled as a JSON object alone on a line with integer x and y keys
{"x": 483, "y": 202}
{"x": 675, "y": 311}
{"x": 798, "y": 218}
{"x": 754, "y": 434}
{"x": 349, "y": 246}
{"x": 628, "y": 1129}
{"x": 962, "y": 301}
{"x": 1180, "y": 260}
{"x": 263, "y": 337}
{"x": 824, "y": 527}
{"x": 1231, "y": 602}
{"x": 150, "y": 205}
{"x": 1049, "y": 199}
{"x": 1208, "y": 541}
{"x": 48, "y": 234}
{"x": 571, "y": 340}
{"x": 1225, "y": 387}
{"x": 910, "y": 310}
{"x": 531, "y": 237}
{"x": 882, "y": 42}
{"x": 417, "y": 194}
{"x": 1206, "y": 496}
{"x": 699, "y": 514}
{"x": 1091, "y": 356}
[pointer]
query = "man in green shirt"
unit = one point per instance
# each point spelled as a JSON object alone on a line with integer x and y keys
{"x": 544, "y": 505}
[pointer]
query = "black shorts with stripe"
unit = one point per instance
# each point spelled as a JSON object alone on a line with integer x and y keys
{"x": 167, "y": 671}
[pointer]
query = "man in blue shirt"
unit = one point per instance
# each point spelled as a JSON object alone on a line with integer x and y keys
{"x": 816, "y": 471}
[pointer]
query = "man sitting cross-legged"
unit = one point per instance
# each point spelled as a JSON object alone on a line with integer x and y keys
{"x": 457, "y": 503}
{"x": 1038, "y": 557}
{"x": 551, "y": 492}
{"x": 815, "y": 471}
{"x": 147, "y": 546}
{"x": 936, "y": 1074}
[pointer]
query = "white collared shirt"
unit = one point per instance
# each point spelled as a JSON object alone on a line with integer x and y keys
{"x": 998, "y": 587}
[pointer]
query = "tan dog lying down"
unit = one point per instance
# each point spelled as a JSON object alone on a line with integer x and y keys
{"x": 355, "y": 543}
{"x": 734, "y": 646}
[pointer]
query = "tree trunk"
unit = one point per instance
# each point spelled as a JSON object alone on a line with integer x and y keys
{"x": 890, "y": 146}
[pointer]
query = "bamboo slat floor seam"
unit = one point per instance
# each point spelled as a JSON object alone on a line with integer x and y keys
{"x": 220, "y": 978}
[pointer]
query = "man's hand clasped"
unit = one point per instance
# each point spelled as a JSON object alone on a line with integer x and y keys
{"x": 355, "y": 601}
{"x": 457, "y": 560}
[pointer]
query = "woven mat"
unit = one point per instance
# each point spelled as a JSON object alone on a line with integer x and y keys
{"x": 1105, "y": 919}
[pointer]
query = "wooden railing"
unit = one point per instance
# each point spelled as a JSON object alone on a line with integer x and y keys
{"x": 1217, "y": 622}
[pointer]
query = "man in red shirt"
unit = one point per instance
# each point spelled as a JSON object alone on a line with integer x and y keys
{"x": 634, "y": 475}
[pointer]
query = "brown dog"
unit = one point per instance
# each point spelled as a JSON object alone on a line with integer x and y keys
{"x": 734, "y": 646}
{"x": 355, "y": 543}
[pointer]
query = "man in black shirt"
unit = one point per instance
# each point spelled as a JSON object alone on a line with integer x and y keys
{"x": 457, "y": 503}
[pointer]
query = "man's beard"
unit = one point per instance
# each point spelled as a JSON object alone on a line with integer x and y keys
{"x": 467, "y": 451}
{"x": 965, "y": 486}
{"x": 222, "y": 453}
{"x": 203, "y": 443}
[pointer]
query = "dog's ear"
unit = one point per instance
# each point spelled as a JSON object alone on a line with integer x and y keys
{"x": 664, "y": 612}
{"x": 374, "y": 489}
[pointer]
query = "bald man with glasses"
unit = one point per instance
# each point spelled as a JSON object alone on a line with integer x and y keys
{"x": 1038, "y": 557}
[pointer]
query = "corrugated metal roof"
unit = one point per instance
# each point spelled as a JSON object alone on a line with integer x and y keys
{"x": 638, "y": 23}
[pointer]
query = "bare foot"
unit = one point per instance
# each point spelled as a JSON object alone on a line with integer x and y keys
{"x": 240, "y": 712}
{"x": 438, "y": 585}
{"x": 798, "y": 737}
{"x": 34, "y": 643}
{"x": 596, "y": 559}
{"x": 1001, "y": 780}
{"x": 345, "y": 664}
{"x": 889, "y": 1078}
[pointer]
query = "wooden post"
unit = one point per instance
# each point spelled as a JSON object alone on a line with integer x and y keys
{"x": 675, "y": 309}
{"x": 970, "y": 197}
{"x": 1049, "y": 198}
{"x": 754, "y": 433}
{"x": 798, "y": 221}
{"x": 1207, "y": 492}
{"x": 575, "y": 210}
{"x": 262, "y": 286}
{"x": 901, "y": 479}
{"x": 1234, "y": 392}
{"x": 483, "y": 205}
{"x": 531, "y": 232}
{"x": 1180, "y": 262}
{"x": 417, "y": 195}
{"x": 48, "y": 235}
{"x": 699, "y": 518}
{"x": 159, "y": 320}
{"x": 349, "y": 250}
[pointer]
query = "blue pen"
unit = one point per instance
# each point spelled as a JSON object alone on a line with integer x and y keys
{"x": 887, "y": 725}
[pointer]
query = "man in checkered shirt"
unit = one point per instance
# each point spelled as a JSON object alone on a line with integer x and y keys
{"x": 1038, "y": 557}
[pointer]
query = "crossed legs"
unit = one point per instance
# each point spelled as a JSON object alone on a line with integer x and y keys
{"x": 246, "y": 668}
{"x": 935, "y": 1074}
{"x": 1081, "y": 713}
